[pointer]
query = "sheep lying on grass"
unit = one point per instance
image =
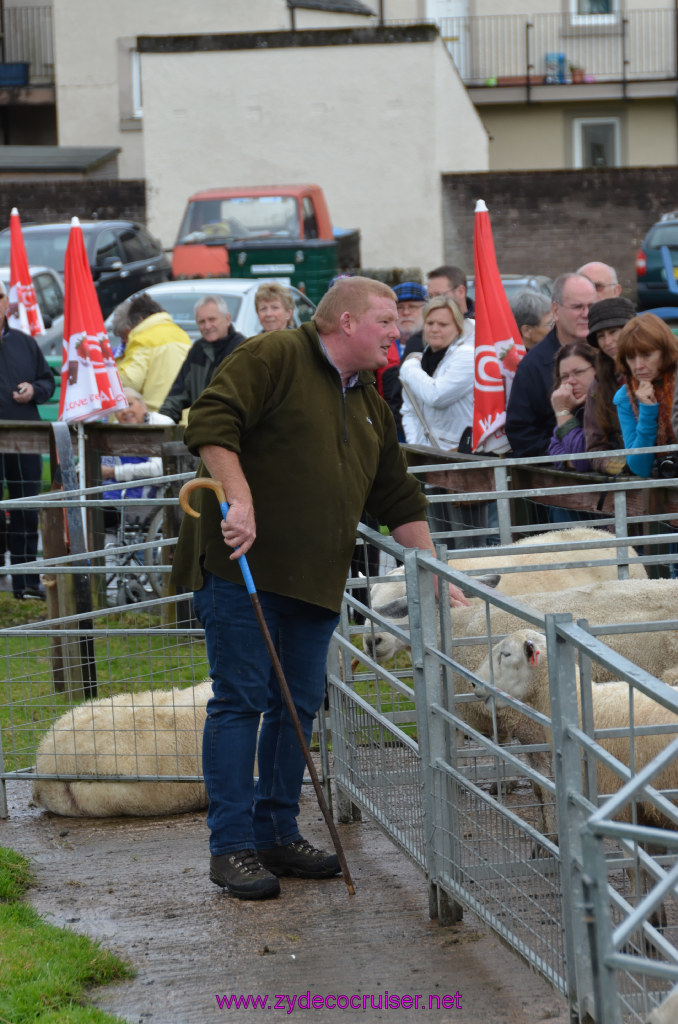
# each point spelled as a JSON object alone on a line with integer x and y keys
{"x": 150, "y": 733}
{"x": 520, "y": 669}
{"x": 614, "y": 601}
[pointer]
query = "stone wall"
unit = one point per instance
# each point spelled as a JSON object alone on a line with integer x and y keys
{"x": 550, "y": 222}
{"x": 44, "y": 201}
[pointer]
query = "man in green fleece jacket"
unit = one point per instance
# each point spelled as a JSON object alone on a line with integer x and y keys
{"x": 294, "y": 429}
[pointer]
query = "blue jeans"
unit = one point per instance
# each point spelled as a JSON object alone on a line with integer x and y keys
{"x": 240, "y": 815}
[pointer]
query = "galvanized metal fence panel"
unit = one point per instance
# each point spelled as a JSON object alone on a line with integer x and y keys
{"x": 480, "y": 836}
{"x": 456, "y": 800}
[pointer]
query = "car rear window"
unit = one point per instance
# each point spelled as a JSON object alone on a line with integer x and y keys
{"x": 180, "y": 307}
{"x": 44, "y": 248}
{"x": 664, "y": 234}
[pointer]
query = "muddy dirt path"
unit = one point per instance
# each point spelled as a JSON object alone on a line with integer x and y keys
{"x": 141, "y": 888}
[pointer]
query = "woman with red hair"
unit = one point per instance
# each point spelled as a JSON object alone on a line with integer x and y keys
{"x": 647, "y": 356}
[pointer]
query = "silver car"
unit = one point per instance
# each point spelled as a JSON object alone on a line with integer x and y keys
{"x": 178, "y": 298}
{"x": 49, "y": 291}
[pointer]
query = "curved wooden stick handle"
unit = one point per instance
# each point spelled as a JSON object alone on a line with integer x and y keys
{"x": 192, "y": 485}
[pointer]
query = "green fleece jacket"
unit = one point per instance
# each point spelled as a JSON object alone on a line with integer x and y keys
{"x": 314, "y": 458}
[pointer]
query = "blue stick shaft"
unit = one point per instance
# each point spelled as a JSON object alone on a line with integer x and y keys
{"x": 242, "y": 561}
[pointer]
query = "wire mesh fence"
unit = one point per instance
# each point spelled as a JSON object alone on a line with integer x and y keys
{"x": 492, "y": 833}
{"x": 493, "y": 822}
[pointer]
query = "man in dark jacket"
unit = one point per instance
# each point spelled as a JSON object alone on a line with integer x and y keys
{"x": 530, "y": 419}
{"x": 25, "y": 382}
{"x": 218, "y": 340}
{"x": 293, "y": 428}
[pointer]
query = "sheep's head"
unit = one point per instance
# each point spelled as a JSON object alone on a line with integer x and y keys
{"x": 382, "y": 645}
{"x": 515, "y": 659}
{"x": 389, "y": 599}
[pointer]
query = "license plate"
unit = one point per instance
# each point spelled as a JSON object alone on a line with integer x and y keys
{"x": 274, "y": 268}
{"x": 675, "y": 272}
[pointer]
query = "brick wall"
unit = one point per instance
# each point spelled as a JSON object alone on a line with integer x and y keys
{"x": 45, "y": 201}
{"x": 550, "y": 222}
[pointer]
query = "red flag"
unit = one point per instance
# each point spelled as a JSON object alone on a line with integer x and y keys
{"x": 90, "y": 384}
{"x": 24, "y": 312}
{"x": 498, "y": 344}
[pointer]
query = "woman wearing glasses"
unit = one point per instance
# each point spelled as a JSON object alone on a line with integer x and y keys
{"x": 574, "y": 372}
{"x": 647, "y": 355}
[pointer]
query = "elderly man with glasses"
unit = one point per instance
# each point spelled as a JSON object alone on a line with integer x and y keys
{"x": 603, "y": 278}
{"x": 529, "y": 417}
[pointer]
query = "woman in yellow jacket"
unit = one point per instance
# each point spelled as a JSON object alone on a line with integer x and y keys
{"x": 155, "y": 351}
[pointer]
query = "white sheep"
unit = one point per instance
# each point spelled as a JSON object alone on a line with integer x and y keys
{"x": 520, "y": 669}
{"x": 390, "y": 594}
{"x": 155, "y": 732}
{"x": 614, "y": 601}
{"x": 539, "y": 580}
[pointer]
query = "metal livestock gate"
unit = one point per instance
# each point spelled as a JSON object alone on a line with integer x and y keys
{"x": 459, "y": 803}
{"x": 462, "y": 805}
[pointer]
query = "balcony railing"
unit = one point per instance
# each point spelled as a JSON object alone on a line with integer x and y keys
{"x": 506, "y": 49}
{"x": 27, "y": 39}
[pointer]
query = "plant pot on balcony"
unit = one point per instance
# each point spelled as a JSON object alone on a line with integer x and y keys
{"x": 14, "y": 74}
{"x": 577, "y": 75}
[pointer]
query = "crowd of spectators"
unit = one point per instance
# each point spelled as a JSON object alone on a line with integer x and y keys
{"x": 595, "y": 377}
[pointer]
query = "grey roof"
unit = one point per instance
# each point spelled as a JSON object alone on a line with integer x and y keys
{"x": 337, "y": 6}
{"x": 55, "y": 158}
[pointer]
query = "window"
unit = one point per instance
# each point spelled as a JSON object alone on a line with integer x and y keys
{"x": 150, "y": 247}
{"x": 310, "y": 224}
{"x": 130, "y": 100}
{"x": 596, "y": 142}
{"x": 137, "y": 98}
{"x": 107, "y": 248}
{"x": 303, "y": 309}
{"x": 50, "y": 299}
{"x": 593, "y": 12}
{"x": 131, "y": 246}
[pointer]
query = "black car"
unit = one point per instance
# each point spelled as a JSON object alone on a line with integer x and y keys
{"x": 124, "y": 258}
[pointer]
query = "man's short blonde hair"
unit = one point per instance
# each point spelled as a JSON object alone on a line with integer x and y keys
{"x": 348, "y": 295}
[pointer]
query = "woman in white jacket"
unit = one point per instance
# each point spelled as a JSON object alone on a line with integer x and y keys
{"x": 438, "y": 406}
{"x": 438, "y": 382}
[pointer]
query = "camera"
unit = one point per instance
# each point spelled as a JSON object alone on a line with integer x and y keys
{"x": 667, "y": 466}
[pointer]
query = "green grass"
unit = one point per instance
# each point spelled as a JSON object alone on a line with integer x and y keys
{"x": 380, "y": 693}
{"x": 45, "y": 971}
{"x": 124, "y": 662}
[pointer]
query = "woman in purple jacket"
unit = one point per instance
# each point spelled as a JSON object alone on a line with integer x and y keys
{"x": 574, "y": 371}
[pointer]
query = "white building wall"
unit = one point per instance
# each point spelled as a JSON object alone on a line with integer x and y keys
{"x": 375, "y": 126}
{"x": 88, "y": 74}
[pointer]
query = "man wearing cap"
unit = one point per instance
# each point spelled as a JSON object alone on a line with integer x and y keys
{"x": 601, "y": 425}
{"x": 410, "y": 301}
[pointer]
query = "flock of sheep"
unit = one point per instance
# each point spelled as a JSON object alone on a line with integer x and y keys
{"x": 155, "y": 734}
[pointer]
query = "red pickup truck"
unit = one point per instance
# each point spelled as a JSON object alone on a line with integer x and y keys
{"x": 266, "y": 231}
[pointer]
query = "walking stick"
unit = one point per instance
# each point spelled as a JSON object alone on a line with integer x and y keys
{"x": 215, "y": 486}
